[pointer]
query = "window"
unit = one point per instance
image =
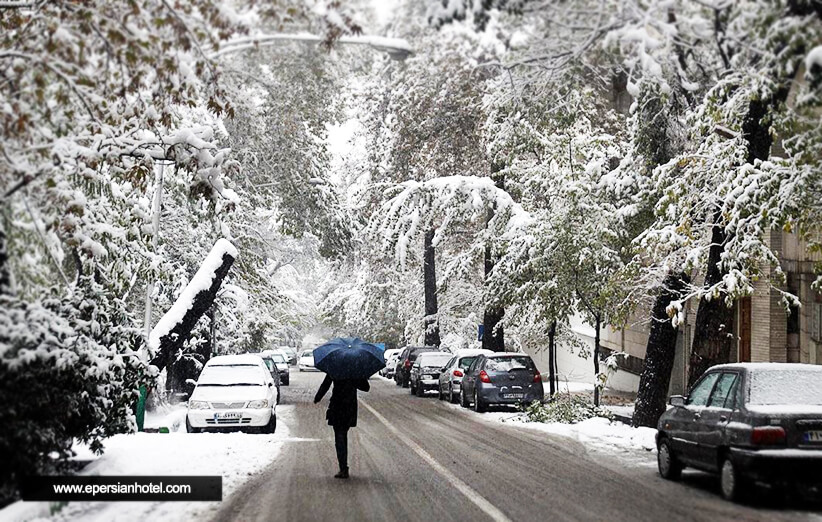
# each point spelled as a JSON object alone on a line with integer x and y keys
{"x": 722, "y": 392}
{"x": 504, "y": 364}
{"x": 699, "y": 395}
{"x": 816, "y": 322}
{"x": 465, "y": 362}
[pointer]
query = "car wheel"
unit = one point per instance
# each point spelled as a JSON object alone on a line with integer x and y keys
{"x": 420, "y": 391}
{"x": 463, "y": 399}
{"x": 453, "y": 399}
{"x": 669, "y": 466}
{"x": 406, "y": 383}
{"x": 479, "y": 407}
{"x": 440, "y": 395}
{"x": 731, "y": 481}
{"x": 285, "y": 381}
{"x": 412, "y": 389}
{"x": 190, "y": 428}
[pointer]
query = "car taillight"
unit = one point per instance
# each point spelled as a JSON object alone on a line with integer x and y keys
{"x": 768, "y": 435}
{"x": 537, "y": 377}
{"x": 484, "y": 377}
{"x": 407, "y": 363}
{"x": 457, "y": 373}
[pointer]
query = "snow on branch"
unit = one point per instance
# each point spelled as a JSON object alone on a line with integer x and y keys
{"x": 439, "y": 202}
{"x": 173, "y": 328}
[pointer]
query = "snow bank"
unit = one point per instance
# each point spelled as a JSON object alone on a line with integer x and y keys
{"x": 201, "y": 281}
{"x": 598, "y": 432}
{"x": 234, "y": 456}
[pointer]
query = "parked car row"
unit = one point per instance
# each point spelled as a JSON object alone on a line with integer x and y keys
{"x": 478, "y": 378}
{"x": 748, "y": 423}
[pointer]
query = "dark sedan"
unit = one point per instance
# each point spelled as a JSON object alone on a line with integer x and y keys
{"x": 503, "y": 378}
{"x": 425, "y": 372}
{"x": 402, "y": 375}
{"x": 749, "y": 422}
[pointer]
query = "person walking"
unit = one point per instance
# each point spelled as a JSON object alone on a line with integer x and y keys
{"x": 342, "y": 413}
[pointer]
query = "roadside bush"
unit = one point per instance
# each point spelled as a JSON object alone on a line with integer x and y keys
{"x": 565, "y": 408}
{"x": 68, "y": 371}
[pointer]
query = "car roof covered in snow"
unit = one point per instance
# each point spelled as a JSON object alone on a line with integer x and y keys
{"x": 498, "y": 355}
{"x": 233, "y": 360}
{"x": 767, "y": 366}
{"x": 472, "y": 352}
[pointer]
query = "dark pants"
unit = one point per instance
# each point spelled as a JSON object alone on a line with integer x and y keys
{"x": 341, "y": 444}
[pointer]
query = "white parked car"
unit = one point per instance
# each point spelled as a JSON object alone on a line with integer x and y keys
{"x": 450, "y": 380}
{"x": 280, "y": 360}
{"x": 233, "y": 391}
{"x": 306, "y": 361}
{"x": 391, "y": 357}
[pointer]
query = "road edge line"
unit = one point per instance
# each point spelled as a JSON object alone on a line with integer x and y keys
{"x": 469, "y": 492}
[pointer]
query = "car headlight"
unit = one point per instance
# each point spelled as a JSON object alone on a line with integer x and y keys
{"x": 198, "y": 405}
{"x": 258, "y": 405}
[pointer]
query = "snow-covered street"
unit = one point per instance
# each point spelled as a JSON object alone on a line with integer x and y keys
{"x": 585, "y": 235}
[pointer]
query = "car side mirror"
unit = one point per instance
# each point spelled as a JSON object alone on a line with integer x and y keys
{"x": 270, "y": 384}
{"x": 677, "y": 400}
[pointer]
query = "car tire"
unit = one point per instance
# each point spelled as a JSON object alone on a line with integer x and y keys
{"x": 669, "y": 466}
{"x": 453, "y": 399}
{"x": 412, "y": 389}
{"x": 190, "y": 428}
{"x": 463, "y": 399}
{"x": 440, "y": 395}
{"x": 479, "y": 406}
{"x": 286, "y": 381}
{"x": 731, "y": 482}
{"x": 420, "y": 391}
{"x": 406, "y": 383}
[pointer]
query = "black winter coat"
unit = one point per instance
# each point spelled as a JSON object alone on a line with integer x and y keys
{"x": 342, "y": 408}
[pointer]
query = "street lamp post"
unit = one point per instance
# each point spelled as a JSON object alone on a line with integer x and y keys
{"x": 397, "y": 48}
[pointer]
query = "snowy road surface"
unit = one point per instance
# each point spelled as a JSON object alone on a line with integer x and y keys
{"x": 421, "y": 459}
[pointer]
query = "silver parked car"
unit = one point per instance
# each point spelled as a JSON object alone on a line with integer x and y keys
{"x": 451, "y": 375}
{"x": 502, "y": 378}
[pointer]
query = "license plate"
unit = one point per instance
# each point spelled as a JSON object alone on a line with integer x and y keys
{"x": 813, "y": 436}
{"x": 513, "y": 395}
{"x": 228, "y": 415}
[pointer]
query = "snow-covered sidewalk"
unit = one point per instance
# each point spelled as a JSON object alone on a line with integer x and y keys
{"x": 235, "y": 456}
{"x": 612, "y": 437}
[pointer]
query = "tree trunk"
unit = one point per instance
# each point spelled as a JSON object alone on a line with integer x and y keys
{"x": 5, "y": 273}
{"x": 552, "y": 369}
{"x": 172, "y": 342}
{"x": 713, "y": 329}
{"x": 598, "y": 318}
{"x": 652, "y": 395}
{"x": 493, "y": 337}
{"x": 429, "y": 273}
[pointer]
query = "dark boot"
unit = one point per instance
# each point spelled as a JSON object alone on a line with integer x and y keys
{"x": 343, "y": 474}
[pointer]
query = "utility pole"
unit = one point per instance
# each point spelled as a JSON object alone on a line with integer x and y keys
{"x": 156, "y": 208}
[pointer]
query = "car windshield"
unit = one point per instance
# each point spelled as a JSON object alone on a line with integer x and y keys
{"x": 278, "y": 358}
{"x": 780, "y": 386}
{"x": 505, "y": 364}
{"x": 268, "y": 362}
{"x": 231, "y": 375}
{"x": 434, "y": 360}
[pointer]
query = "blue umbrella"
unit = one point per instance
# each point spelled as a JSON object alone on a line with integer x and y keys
{"x": 349, "y": 358}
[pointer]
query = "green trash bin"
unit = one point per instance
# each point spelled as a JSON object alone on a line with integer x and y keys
{"x": 141, "y": 408}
